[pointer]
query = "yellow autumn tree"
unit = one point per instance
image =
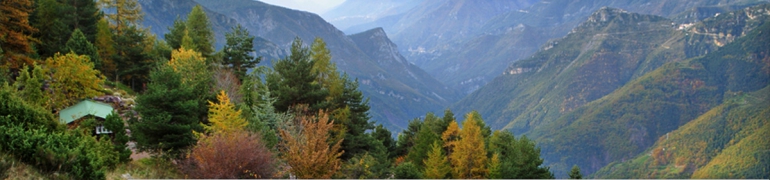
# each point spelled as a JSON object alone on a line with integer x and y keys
{"x": 223, "y": 117}
{"x": 437, "y": 165}
{"x": 450, "y": 136}
{"x": 307, "y": 149}
{"x": 469, "y": 158}
{"x": 190, "y": 64}
{"x": 73, "y": 78}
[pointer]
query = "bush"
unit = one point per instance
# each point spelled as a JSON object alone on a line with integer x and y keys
{"x": 232, "y": 155}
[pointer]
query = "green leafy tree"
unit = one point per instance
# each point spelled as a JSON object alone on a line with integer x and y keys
{"x": 170, "y": 112}
{"x": 237, "y": 51}
{"x": 407, "y": 170}
{"x": 199, "y": 29}
{"x": 73, "y": 78}
{"x": 437, "y": 165}
{"x": 575, "y": 173}
{"x": 175, "y": 33}
{"x": 80, "y": 45}
{"x": 293, "y": 81}
{"x": 115, "y": 124}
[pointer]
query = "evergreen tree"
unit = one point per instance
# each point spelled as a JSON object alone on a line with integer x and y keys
{"x": 424, "y": 139}
{"x": 383, "y": 135}
{"x": 356, "y": 140}
{"x": 518, "y": 158}
{"x": 131, "y": 61}
{"x": 237, "y": 51}
{"x": 407, "y": 138}
{"x": 407, "y": 170}
{"x": 494, "y": 167}
{"x": 437, "y": 165}
{"x": 199, "y": 29}
{"x": 50, "y": 18}
{"x": 15, "y": 33}
{"x": 80, "y": 45}
{"x": 115, "y": 124}
{"x": 83, "y": 15}
{"x": 293, "y": 81}
{"x": 175, "y": 33}
{"x": 575, "y": 173}
{"x": 31, "y": 85}
{"x": 170, "y": 113}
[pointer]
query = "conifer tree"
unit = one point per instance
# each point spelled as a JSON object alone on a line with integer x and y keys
{"x": 328, "y": 76}
{"x": 422, "y": 147}
{"x": 308, "y": 150}
{"x": 237, "y": 51}
{"x": 451, "y": 136}
{"x": 437, "y": 165}
{"x": 199, "y": 29}
{"x": 83, "y": 15}
{"x": 127, "y": 13}
{"x": 170, "y": 113}
{"x": 15, "y": 33}
{"x": 575, "y": 173}
{"x": 115, "y": 124}
{"x": 223, "y": 118}
{"x": 175, "y": 33}
{"x": 293, "y": 81}
{"x": 78, "y": 44}
{"x": 106, "y": 47}
{"x": 31, "y": 85}
{"x": 50, "y": 18}
{"x": 469, "y": 158}
{"x": 494, "y": 167}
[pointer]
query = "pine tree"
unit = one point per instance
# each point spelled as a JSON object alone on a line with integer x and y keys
{"x": 83, "y": 15}
{"x": 293, "y": 81}
{"x": 175, "y": 33}
{"x": 407, "y": 137}
{"x": 518, "y": 158}
{"x": 115, "y": 124}
{"x": 50, "y": 18}
{"x": 237, "y": 51}
{"x": 383, "y": 135}
{"x": 170, "y": 112}
{"x": 199, "y": 29}
{"x": 469, "y": 158}
{"x": 15, "y": 33}
{"x": 31, "y": 85}
{"x": 494, "y": 167}
{"x": 437, "y": 165}
{"x": 223, "y": 117}
{"x": 575, "y": 173}
{"x": 308, "y": 151}
{"x": 422, "y": 147}
{"x": 80, "y": 45}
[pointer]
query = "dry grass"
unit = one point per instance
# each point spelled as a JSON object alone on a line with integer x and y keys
{"x": 147, "y": 168}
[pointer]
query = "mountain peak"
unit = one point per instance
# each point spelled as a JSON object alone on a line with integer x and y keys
{"x": 605, "y": 14}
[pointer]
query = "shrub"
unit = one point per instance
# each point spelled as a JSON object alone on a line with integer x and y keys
{"x": 237, "y": 154}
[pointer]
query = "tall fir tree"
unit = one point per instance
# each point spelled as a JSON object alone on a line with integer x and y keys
{"x": 16, "y": 33}
{"x": 575, "y": 173}
{"x": 238, "y": 50}
{"x": 50, "y": 18}
{"x": 293, "y": 81}
{"x": 80, "y": 45}
{"x": 83, "y": 15}
{"x": 422, "y": 146}
{"x": 170, "y": 113}
{"x": 175, "y": 33}
{"x": 199, "y": 29}
{"x": 115, "y": 123}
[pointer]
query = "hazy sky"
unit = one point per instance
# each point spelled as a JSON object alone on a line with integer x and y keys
{"x": 314, "y": 6}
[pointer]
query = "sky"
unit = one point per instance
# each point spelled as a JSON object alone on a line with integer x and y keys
{"x": 314, "y": 6}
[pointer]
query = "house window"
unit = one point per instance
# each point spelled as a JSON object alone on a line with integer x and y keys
{"x": 101, "y": 130}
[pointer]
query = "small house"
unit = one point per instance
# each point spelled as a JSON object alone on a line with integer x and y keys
{"x": 87, "y": 108}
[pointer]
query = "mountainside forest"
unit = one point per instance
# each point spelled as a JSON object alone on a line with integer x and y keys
{"x": 391, "y": 89}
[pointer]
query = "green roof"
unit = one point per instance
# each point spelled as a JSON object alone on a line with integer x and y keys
{"x": 84, "y": 108}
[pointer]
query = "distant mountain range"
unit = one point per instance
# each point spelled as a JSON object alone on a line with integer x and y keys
{"x": 398, "y": 90}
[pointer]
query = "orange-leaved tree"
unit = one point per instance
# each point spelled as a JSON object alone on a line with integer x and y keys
{"x": 307, "y": 149}
{"x": 469, "y": 158}
{"x": 16, "y": 32}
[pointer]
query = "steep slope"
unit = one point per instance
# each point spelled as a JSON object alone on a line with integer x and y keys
{"x": 376, "y": 44}
{"x": 542, "y": 96}
{"x": 355, "y": 12}
{"x": 160, "y": 15}
{"x": 474, "y": 65}
{"x": 388, "y": 89}
{"x": 728, "y": 141}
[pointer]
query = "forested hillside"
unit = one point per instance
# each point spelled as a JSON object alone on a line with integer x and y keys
{"x": 181, "y": 108}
